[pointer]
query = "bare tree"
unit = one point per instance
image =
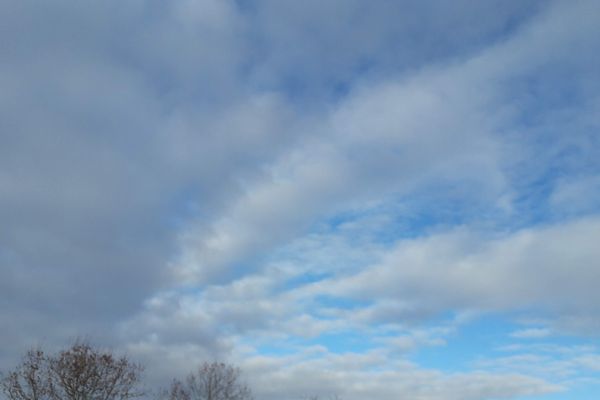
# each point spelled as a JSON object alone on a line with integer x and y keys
{"x": 29, "y": 381}
{"x": 315, "y": 397}
{"x": 78, "y": 373}
{"x": 212, "y": 381}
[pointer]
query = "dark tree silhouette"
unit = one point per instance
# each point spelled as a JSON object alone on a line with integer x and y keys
{"x": 78, "y": 373}
{"x": 212, "y": 381}
{"x": 29, "y": 381}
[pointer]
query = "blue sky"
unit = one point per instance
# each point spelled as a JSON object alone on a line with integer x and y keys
{"x": 369, "y": 199}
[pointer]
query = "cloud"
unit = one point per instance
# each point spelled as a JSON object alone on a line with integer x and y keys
{"x": 336, "y": 44}
{"x": 531, "y": 333}
{"x": 231, "y": 179}
{"x": 353, "y": 377}
{"x": 561, "y": 364}
{"x": 576, "y": 196}
{"x": 552, "y": 268}
{"x": 440, "y": 126}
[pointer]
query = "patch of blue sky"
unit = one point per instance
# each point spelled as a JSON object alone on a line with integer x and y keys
{"x": 327, "y": 81}
{"x": 561, "y": 345}
{"x": 584, "y": 391}
{"x": 310, "y": 260}
{"x": 328, "y": 302}
{"x": 183, "y": 207}
{"x": 486, "y": 343}
{"x": 276, "y": 349}
{"x": 555, "y": 142}
{"x": 551, "y": 91}
{"x": 273, "y": 346}
{"x": 246, "y": 6}
{"x": 471, "y": 341}
{"x": 344, "y": 342}
{"x": 531, "y": 204}
{"x": 305, "y": 279}
{"x": 339, "y": 342}
{"x": 443, "y": 206}
{"x": 325, "y": 251}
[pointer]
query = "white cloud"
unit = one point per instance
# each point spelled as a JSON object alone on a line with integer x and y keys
{"x": 531, "y": 333}
{"x": 368, "y": 376}
{"x": 549, "y": 267}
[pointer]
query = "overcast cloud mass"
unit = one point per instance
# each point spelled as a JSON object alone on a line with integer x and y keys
{"x": 375, "y": 199}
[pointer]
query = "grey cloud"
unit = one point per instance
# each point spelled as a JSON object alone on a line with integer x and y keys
{"x": 315, "y": 47}
{"x": 106, "y": 148}
{"x": 142, "y": 140}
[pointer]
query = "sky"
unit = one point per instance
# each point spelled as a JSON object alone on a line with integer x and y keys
{"x": 370, "y": 199}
